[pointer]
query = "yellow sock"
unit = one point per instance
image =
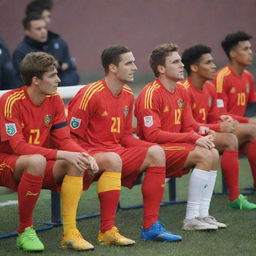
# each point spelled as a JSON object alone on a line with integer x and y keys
{"x": 71, "y": 190}
{"x": 109, "y": 181}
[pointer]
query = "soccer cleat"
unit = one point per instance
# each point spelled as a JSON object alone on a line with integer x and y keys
{"x": 197, "y": 224}
{"x": 242, "y": 203}
{"x": 29, "y": 241}
{"x": 212, "y": 221}
{"x": 157, "y": 232}
{"x": 74, "y": 240}
{"x": 112, "y": 236}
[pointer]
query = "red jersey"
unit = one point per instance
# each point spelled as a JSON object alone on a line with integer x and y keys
{"x": 102, "y": 120}
{"x": 204, "y": 104}
{"x": 26, "y": 128}
{"x": 164, "y": 116}
{"x": 234, "y": 92}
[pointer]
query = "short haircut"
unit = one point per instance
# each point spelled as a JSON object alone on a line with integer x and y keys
{"x": 159, "y": 54}
{"x": 192, "y": 55}
{"x": 26, "y": 22}
{"x": 111, "y": 55}
{"x": 38, "y": 6}
{"x": 232, "y": 40}
{"x": 36, "y": 64}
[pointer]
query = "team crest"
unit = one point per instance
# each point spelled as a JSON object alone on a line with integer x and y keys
{"x": 194, "y": 106}
{"x": 233, "y": 90}
{"x": 105, "y": 113}
{"x": 126, "y": 111}
{"x": 210, "y": 102}
{"x": 180, "y": 103}
{"x": 75, "y": 122}
{"x": 10, "y": 129}
{"x": 148, "y": 121}
{"x": 166, "y": 109}
{"x": 247, "y": 88}
{"x": 48, "y": 120}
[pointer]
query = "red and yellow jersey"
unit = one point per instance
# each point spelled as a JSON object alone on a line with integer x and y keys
{"x": 26, "y": 128}
{"x": 100, "y": 119}
{"x": 164, "y": 116}
{"x": 203, "y": 104}
{"x": 234, "y": 92}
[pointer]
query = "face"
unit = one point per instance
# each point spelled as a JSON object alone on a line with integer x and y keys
{"x": 242, "y": 53}
{"x": 205, "y": 68}
{"x": 126, "y": 68}
{"x": 173, "y": 68}
{"x": 37, "y": 31}
{"x": 49, "y": 83}
{"x": 46, "y": 16}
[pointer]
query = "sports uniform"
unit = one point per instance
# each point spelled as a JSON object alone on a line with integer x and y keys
{"x": 165, "y": 117}
{"x": 234, "y": 92}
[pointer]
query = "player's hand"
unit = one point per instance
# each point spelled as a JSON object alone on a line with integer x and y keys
{"x": 93, "y": 166}
{"x": 252, "y": 120}
{"x": 226, "y": 118}
{"x": 203, "y": 130}
{"x": 206, "y": 142}
{"x": 227, "y": 126}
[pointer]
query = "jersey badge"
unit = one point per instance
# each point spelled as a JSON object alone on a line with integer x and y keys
{"x": 233, "y": 90}
{"x": 105, "y": 113}
{"x": 209, "y": 101}
{"x": 75, "y": 122}
{"x": 166, "y": 109}
{"x": 148, "y": 121}
{"x": 220, "y": 103}
{"x": 180, "y": 103}
{"x": 48, "y": 120}
{"x": 194, "y": 106}
{"x": 126, "y": 111}
{"x": 10, "y": 129}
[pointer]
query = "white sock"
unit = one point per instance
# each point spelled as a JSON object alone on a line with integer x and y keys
{"x": 207, "y": 195}
{"x": 198, "y": 180}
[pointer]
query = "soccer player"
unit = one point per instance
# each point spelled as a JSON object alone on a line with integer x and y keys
{"x": 31, "y": 115}
{"x": 235, "y": 89}
{"x": 164, "y": 116}
{"x": 200, "y": 67}
{"x": 100, "y": 117}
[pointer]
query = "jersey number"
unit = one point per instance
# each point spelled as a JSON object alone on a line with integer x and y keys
{"x": 177, "y": 116}
{"x": 116, "y": 123}
{"x": 202, "y": 112}
{"x": 34, "y": 136}
{"x": 241, "y": 99}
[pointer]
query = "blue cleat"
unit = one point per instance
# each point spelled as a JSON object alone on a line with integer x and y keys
{"x": 157, "y": 232}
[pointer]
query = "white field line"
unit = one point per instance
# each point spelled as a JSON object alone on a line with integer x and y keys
{"x": 10, "y": 202}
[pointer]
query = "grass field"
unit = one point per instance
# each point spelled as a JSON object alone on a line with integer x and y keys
{"x": 237, "y": 239}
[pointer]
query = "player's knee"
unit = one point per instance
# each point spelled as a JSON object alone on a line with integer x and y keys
{"x": 37, "y": 164}
{"x": 204, "y": 158}
{"x": 156, "y": 155}
{"x": 231, "y": 142}
{"x": 112, "y": 162}
{"x": 215, "y": 158}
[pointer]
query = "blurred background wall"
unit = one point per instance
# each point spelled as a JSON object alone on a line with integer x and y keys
{"x": 91, "y": 25}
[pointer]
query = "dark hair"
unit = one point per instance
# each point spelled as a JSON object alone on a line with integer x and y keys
{"x": 159, "y": 54}
{"x": 26, "y": 22}
{"x": 111, "y": 55}
{"x": 38, "y": 6}
{"x": 192, "y": 55}
{"x": 36, "y": 64}
{"x": 232, "y": 40}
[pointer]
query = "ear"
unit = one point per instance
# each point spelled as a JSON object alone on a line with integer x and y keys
{"x": 194, "y": 68}
{"x": 35, "y": 80}
{"x": 112, "y": 68}
{"x": 232, "y": 53}
{"x": 161, "y": 69}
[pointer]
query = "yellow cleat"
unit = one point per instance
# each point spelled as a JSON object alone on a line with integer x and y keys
{"x": 74, "y": 240}
{"x": 113, "y": 236}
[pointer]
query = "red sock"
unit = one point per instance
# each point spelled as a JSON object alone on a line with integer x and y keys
{"x": 230, "y": 169}
{"x": 251, "y": 154}
{"x": 108, "y": 205}
{"x": 153, "y": 191}
{"x": 28, "y": 193}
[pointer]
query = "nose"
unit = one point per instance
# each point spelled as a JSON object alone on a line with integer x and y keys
{"x": 58, "y": 79}
{"x": 135, "y": 67}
